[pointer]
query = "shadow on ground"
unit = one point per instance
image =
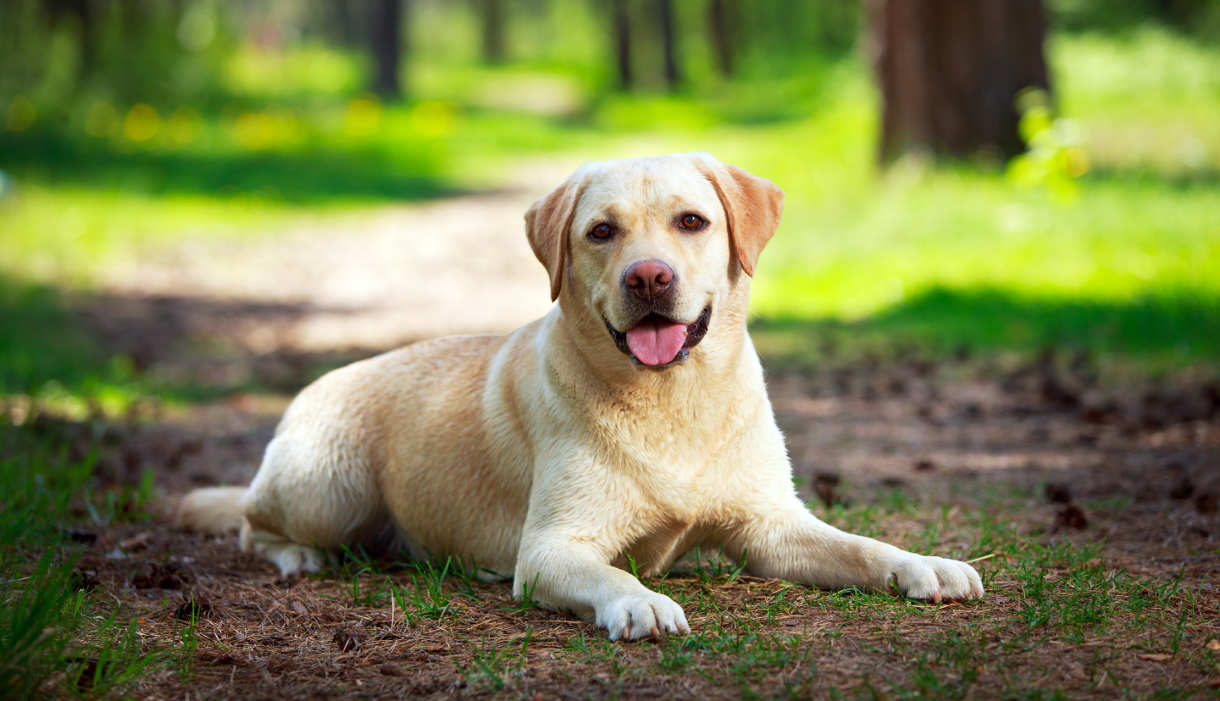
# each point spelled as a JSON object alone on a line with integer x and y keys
{"x": 181, "y": 348}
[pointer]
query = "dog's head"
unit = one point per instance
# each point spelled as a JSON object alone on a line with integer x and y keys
{"x": 653, "y": 248}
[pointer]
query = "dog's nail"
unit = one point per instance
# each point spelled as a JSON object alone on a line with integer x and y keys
{"x": 654, "y": 632}
{"x": 626, "y": 634}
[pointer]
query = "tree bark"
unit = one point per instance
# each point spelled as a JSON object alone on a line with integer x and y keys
{"x": 385, "y": 42}
{"x": 949, "y": 73}
{"x": 492, "y": 12}
{"x": 622, "y": 44}
{"x": 720, "y": 16}
{"x": 673, "y": 70}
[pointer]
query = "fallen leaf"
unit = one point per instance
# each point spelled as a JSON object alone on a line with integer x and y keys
{"x": 137, "y": 542}
{"x": 1058, "y": 493}
{"x": 1206, "y": 503}
{"x": 824, "y": 484}
{"x": 1072, "y": 517}
{"x": 1156, "y": 657}
{"x": 1213, "y": 644}
{"x": 1183, "y": 489}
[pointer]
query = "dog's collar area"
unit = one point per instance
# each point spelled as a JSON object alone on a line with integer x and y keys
{"x": 694, "y": 333}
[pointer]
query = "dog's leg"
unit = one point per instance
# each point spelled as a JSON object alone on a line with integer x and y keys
{"x": 291, "y": 558}
{"x": 313, "y": 494}
{"x": 563, "y": 573}
{"x": 579, "y": 520}
{"x": 790, "y": 543}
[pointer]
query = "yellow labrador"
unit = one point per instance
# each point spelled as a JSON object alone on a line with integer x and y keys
{"x": 630, "y": 421}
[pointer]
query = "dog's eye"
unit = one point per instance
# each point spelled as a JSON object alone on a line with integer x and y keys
{"x": 601, "y": 232}
{"x": 691, "y": 222}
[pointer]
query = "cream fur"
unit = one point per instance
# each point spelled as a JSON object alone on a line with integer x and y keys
{"x": 548, "y": 455}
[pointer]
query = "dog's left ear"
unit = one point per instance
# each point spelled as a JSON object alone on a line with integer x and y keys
{"x": 546, "y": 226}
{"x": 752, "y": 204}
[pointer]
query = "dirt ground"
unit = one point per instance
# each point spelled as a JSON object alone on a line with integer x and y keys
{"x": 1132, "y": 465}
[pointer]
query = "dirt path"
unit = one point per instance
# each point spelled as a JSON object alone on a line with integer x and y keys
{"x": 456, "y": 265}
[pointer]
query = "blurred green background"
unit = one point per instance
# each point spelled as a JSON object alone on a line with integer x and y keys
{"x": 127, "y": 126}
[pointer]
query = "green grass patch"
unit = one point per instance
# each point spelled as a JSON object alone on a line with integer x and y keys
{"x": 56, "y": 636}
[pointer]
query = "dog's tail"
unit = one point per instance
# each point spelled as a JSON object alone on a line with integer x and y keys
{"x": 212, "y": 510}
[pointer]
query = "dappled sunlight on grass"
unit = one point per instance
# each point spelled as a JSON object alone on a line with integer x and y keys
{"x": 67, "y": 234}
{"x": 964, "y": 230}
{"x": 1148, "y": 99}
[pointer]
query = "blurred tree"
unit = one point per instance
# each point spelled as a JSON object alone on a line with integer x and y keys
{"x": 492, "y": 17}
{"x": 338, "y": 21}
{"x": 721, "y": 17}
{"x": 949, "y": 72}
{"x": 622, "y": 43}
{"x": 84, "y": 14}
{"x": 385, "y": 41}
{"x": 669, "y": 48}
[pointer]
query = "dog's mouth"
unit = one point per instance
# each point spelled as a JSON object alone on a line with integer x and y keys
{"x": 657, "y": 341}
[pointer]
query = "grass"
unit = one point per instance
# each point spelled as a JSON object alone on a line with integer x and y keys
{"x": 57, "y": 636}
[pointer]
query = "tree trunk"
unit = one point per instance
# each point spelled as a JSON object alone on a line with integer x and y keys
{"x": 665, "y": 14}
{"x": 622, "y": 43}
{"x": 386, "y": 45}
{"x": 720, "y": 16}
{"x": 949, "y": 73}
{"x": 82, "y": 11}
{"x": 492, "y": 12}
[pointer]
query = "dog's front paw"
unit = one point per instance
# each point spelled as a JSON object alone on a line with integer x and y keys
{"x": 934, "y": 579}
{"x": 646, "y": 614}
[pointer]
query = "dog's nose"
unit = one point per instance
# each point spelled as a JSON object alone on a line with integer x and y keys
{"x": 650, "y": 280}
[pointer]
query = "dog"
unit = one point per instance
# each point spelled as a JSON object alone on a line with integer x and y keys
{"x": 627, "y": 426}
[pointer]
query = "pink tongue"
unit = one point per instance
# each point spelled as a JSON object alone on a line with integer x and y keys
{"x": 656, "y": 343}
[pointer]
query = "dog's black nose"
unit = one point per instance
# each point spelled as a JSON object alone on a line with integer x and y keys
{"x": 650, "y": 280}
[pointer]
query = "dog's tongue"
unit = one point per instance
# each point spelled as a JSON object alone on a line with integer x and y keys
{"x": 655, "y": 342}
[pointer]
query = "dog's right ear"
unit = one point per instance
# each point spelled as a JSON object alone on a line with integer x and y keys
{"x": 546, "y": 226}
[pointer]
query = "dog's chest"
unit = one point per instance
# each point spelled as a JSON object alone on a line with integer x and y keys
{"x": 670, "y": 437}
